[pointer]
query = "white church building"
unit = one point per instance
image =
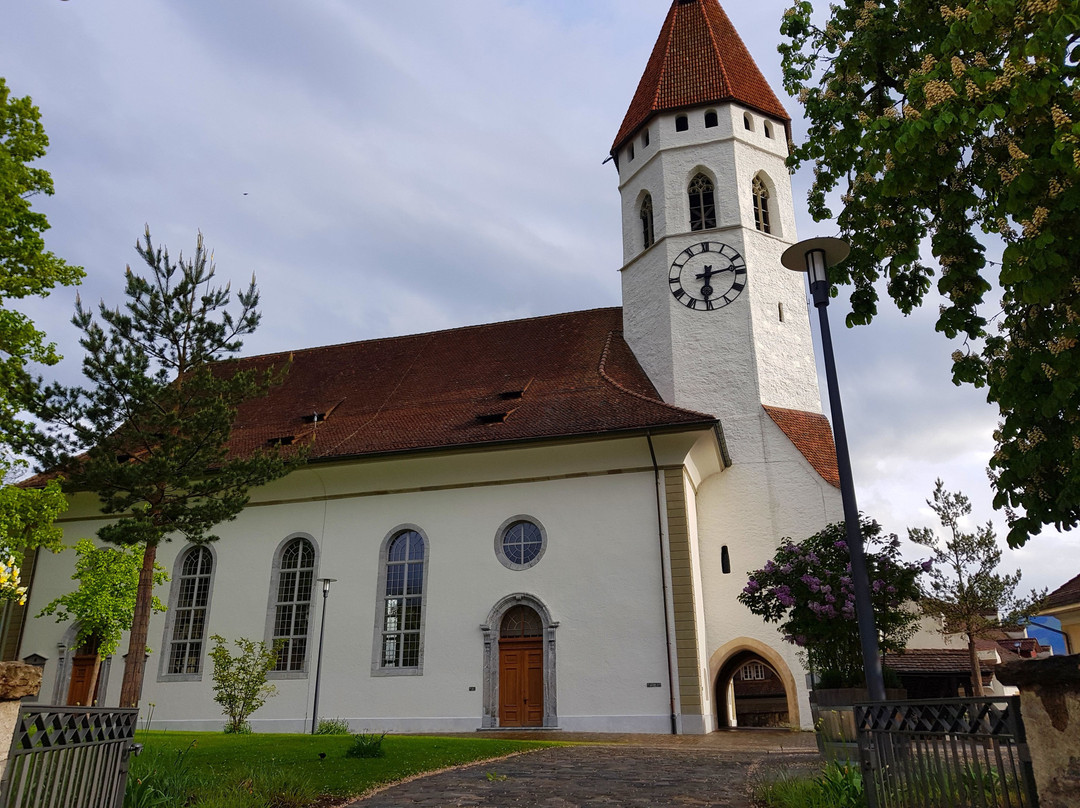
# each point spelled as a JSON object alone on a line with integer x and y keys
{"x": 543, "y": 522}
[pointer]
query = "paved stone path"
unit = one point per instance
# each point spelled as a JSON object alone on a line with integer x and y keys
{"x": 637, "y": 772}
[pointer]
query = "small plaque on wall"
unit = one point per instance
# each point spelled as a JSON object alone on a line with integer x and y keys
{"x": 652, "y": 684}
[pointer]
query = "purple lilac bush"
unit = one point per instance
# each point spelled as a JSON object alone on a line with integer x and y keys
{"x": 807, "y": 589}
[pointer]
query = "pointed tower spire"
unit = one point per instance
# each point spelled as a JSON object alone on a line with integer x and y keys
{"x": 698, "y": 59}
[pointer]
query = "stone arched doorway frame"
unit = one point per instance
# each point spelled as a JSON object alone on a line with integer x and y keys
{"x": 743, "y": 645}
{"x": 65, "y": 652}
{"x": 490, "y": 630}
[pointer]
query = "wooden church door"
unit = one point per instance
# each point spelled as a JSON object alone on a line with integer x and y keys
{"x": 84, "y": 676}
{"x": 521, "y": 669}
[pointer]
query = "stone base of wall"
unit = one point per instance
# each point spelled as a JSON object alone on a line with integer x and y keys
{"x": 17, "y": 680}
{"x": 1050, "y": 706}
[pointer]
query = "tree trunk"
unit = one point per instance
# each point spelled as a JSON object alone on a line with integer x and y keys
{"x": 976, "y": 669}
{"x": 135, "y": 662}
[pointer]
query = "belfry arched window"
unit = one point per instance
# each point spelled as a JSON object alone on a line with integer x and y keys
{"x": 295, "y": 580}
{"x": 702, "y": 203}
{"x": 761, "y": 205}
{"x": 646, "y": 215}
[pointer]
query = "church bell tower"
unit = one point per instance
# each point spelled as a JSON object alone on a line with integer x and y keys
{"x": 714, "y": 319}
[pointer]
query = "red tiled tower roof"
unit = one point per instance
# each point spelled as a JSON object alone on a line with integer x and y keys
{"x": 698, "y": 58}
{"x": 812, "y": 436}
{"x": 542, "y": 378}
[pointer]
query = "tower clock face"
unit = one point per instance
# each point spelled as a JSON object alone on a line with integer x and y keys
{"x": 707, "y": 276}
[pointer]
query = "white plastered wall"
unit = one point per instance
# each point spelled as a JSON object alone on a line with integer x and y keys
{"x": 599, "y": 578}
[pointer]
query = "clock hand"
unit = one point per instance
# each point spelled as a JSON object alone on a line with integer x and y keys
{"x": 706, "y": 277}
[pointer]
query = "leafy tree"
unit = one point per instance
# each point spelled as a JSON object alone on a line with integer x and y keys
{"x": 26, "y": 270}
{"x": 240, "y": 685}
{"x": 27, "y": 516}
{"x": 807, "y": 589}
{"x": 104, "y": 603}
{"x": 965, "y": 587}
{"x": 935, "y": 121}
{"x": 150, "y": 433}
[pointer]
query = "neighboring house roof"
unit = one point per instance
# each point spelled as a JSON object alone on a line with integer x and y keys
{"x": 812, "y": 435}
{"x": 698, "y": 58}
{"x": 939, "y": 661}
{"x": 1025, "y": 647}
{"x": 1068, "y": 594}
{"x": 560, "y": 376}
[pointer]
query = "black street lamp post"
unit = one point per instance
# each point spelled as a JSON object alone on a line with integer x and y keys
{"x": 814, "y": 256}
{"x": 318, "y": 665}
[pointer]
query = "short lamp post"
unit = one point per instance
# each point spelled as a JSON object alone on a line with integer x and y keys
{"x": 318, "y": 665}
{"x": 815, "y": 256}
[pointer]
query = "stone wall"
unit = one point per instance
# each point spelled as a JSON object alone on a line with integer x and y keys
{"x": 17, "y": 680}
{"x": 1050, "y": 706}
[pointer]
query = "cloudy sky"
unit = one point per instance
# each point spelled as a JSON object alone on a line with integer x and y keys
{"x": 388, "y": 168}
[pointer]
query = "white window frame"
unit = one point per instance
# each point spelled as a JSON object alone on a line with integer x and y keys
{"x": 174, "y": 609}
{"x": 377, "y": 667}
{"x": 273, "y": 603}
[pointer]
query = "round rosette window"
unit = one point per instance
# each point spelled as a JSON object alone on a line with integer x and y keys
{"x": 520, "y": 543}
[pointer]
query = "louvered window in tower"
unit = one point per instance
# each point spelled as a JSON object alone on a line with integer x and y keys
{"x": 761, "y": 205}
{"x": 702, "y": 204}
{"x": 647, "y": 234}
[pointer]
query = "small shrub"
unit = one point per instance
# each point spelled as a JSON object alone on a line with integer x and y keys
{"x": 240, "y": 685}
{"x": 842, "y": 785}
{"x": 243, "y": 728}
{"x": 332, "y": 726}
{"x": 366, "y": 745}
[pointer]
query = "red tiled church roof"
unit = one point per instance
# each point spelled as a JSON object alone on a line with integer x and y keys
{"x": 1068, "y": 594}
{"x": 698, "y": 58}
{"x": 812, "y": 435}
{"x": 547, "y": 377}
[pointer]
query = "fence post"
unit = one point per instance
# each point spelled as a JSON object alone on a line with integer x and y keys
{"x": 1050, "y": 706}
{"x": 17, "y": 680}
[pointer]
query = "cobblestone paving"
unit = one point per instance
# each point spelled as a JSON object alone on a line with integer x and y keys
{"x": 613, "y": 776}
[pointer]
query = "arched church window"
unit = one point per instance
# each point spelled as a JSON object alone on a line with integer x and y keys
{"x": 630, "y": 152}
{"x": 761, "y": 205}
{"x": 402, "y": 606}
{"x": 702, "y": 204}
{"x": 768, "y": 129}
{"x": 645, "y": 138}
{"x": 292, "y": 609}
{"x": 646, "y": 215}
{"x": 187, "y": 616}
{"x": 711, "y": 119}
{"x": 747, "y": 123}
{"x": 682, "y": 123}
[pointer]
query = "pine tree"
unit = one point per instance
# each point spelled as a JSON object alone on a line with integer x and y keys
{"x": 965, "y": 588}
{"x": 149, "y": 433}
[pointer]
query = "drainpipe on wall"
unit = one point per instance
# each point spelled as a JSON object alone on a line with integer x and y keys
{"x": 663, "y": 583}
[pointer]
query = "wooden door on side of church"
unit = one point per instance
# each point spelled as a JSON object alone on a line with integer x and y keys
{"x": 84, "y": 676}
{"x": 521, "y": 683}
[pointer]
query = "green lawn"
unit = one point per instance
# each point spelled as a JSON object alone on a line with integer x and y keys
{"x": 286, "y": 771}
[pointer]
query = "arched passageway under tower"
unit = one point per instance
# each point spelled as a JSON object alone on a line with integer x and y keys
{"x": 753, "y": 688}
